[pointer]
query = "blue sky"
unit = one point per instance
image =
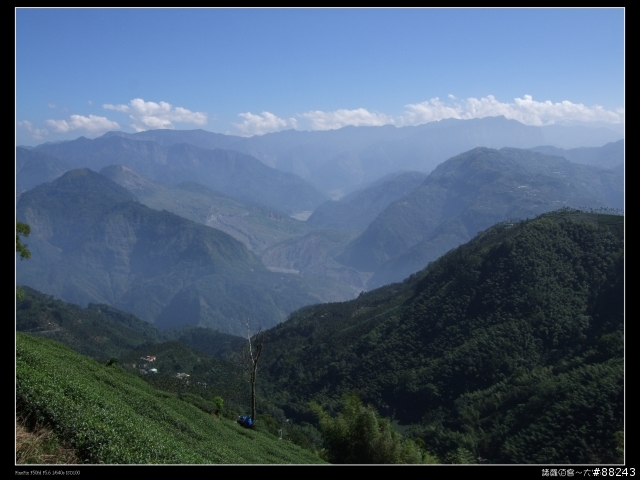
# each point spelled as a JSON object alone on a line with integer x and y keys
{"x": 254, "y": 71}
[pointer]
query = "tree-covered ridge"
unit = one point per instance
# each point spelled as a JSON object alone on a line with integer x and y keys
{"x": 537, "y": 303}
{"x": 359, "y": 435}
{"x": 103, "y": 332}
{"x": 99, "y": 331}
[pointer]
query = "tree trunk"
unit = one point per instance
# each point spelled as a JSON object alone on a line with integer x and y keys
{"x": 253, "y": 392}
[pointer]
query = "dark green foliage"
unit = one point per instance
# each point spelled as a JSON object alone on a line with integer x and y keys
{"x": 447, "y": 350}
{"x": 305, "y": 435}
{"x": 184, "y": 370}
{"x": 359, "y": 435}
{"x": 213, "y": 343}
{"x": 219, "y": 403}
{"x": 98, "y": 331}
{"x": 460, "y": 456}
{"x": 22, "y": 229}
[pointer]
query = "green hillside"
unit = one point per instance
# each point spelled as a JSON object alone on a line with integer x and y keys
{"x": 509, "y": 347}
{"x": 103, "y": 332}
{"x": 98, "y": 331}
{"x": 110, "y": 416}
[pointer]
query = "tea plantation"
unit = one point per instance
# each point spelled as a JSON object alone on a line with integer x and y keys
{"x": 110, "y": 416}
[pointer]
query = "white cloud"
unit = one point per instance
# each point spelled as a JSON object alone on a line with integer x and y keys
{"x": 92, "y": 124}
{"x": 525, "y": 110}
{"x": 36, "y": 133}
{"x": 152, "y": 115}
{"x": 51, "y": 105}
{"x": 266, "y": 122}
{"x": 340, "y": 118}
{"x": 429, "y": 111}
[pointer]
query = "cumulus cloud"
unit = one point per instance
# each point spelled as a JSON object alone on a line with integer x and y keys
{"x": 91, "y": 124}
{"x": 525, "y": 110}
{"x": 266, "y": 122}
{"x": 340, "y": 118}
{"x": 36, "y": 133}
{"x": 152, "y": 115}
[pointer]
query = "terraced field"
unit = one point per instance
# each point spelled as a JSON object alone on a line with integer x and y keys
{"x": 110, "y": 416}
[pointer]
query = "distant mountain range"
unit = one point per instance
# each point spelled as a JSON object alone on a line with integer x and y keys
{"x": 336, "y": 162}
{"x": 34, "y": 168}
{"x": 467, "y": 194}
{"x": 91, "y": 241}
{"x": 389, "y": 224}
{"x": 358, "y": 209}
{"x": 253, "y": 224}
{"x": 227, "y": 171}
{"x": 609, "y": 156}
{"x": 340, "y": 161}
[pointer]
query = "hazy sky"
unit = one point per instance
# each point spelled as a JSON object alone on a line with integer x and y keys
{"x": 253, "y": 71}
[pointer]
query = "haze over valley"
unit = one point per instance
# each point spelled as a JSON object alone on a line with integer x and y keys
{"x": 447, "y": 269}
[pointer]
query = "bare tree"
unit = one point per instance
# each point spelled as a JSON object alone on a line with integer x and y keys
{"x": 248, "y": 358}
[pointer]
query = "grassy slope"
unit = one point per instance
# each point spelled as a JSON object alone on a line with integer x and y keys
{"x": 111, "y": 416}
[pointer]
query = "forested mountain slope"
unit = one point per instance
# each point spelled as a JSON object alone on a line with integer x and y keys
{"x": 510, "y": 346}
{"x": 103, "y": 332}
